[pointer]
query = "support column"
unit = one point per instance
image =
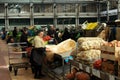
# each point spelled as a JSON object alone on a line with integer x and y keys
{"x": 118, "y": 9}
{"x": 98, "y": 10}
{"x": 6, "y": 16}
{"x": 108, "y": 7}
{"x": 31, "y": 15}
{"x": 77, "y": 15}
{"x": 54, "y": 15}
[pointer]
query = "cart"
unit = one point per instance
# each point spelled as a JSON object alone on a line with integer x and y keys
{"x": 16, "y": 60}
{"x": 58, "y": 73}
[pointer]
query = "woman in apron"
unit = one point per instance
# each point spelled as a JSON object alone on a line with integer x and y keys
{"x": 38, "y": 54}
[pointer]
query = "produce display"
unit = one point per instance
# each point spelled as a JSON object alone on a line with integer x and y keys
{"x": 89, "y": 48}
{"x": 82, "y": 76}
{"x": 28, "y": 49}
{"x": 77, "y": 75}
{"x": 30, "y": 39}
{"x": 72, "y": 75}
{"x": 31, "y": 27}
{"x": 64, "y": 47}
{"x": 113, "y": 43}
{"x": 89, "y": 55}
{"x": 97, "y": 64}
{"x": 46, "y": 38}
{"x": 15, "y": 49}
{"x": 87, "y": 43}
{"x": 108, "y": 67}
{"x": 91, "y": 26}
{"x": 112, "y": 48}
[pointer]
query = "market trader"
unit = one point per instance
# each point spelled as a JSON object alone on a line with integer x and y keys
{"x": 38, "y": 54}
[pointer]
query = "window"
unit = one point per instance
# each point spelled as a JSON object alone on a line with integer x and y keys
{"x": 113, "y": 4}
{"x": 40, "y": 21}
{"x": 66, "y": 8}
{"x": 2, "y": 9}
{"x": 2, "y": 22}
{"x": 41, "y": 8}
{"x": 66, "y": 21}
{"x": 88, "y": 7}
{"x": 18, "y": 8}
{"x": 14, "y": 22}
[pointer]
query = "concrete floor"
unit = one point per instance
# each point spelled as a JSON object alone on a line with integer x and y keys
{"x": 4, "y": 72}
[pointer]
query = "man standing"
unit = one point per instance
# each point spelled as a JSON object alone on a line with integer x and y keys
{"x": 15, "y": 33}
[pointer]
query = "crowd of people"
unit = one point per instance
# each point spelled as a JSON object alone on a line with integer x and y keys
{"x": 56, "y": 34}
{"x": 11, "y": 36}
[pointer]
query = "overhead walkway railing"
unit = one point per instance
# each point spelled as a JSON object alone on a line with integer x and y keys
{"x": 50, "y": 1}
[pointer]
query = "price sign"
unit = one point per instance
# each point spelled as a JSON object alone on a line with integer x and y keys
{"x": 98, "y": 74}
{"x": 87, "y": 69}
{"x": 111, "y": 77}
{"x": 94, "y": 72}
{"x": 80, "y": 66}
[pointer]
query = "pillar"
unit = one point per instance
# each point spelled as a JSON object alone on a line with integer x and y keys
{"x": 98, "y": 10}
{"x": 6, "y": 16}
{"x": 31, "y": 14}
{"x": 118, "y": 9}
{"x": 108, "y": 7}
{"x": 54, "y": 15}
{"x": 77, "y": 15}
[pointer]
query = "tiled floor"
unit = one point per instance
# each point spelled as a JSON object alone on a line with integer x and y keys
{"x": 22, "y": 73}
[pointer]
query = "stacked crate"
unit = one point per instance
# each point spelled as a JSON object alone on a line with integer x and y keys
{"x": 110, "y": 56}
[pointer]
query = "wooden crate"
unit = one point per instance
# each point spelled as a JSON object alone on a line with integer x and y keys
{"x": 118, "y": 33}
{"x": 114, "y": 50}
{"x": 106, "y": 54}
{"x": 91, "y": 33}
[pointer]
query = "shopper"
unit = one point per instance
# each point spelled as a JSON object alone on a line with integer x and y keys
{"x": 3, "y": 34}
{"x": 51, "y": 33}
{"x": 23, "y": 38}
{"x": 57, "y": 37}
{"x": 66, "y": 34}
{"x": 15, "y": 33}
{"x": 10, "y": 39}
{"x": 38, "y": 54}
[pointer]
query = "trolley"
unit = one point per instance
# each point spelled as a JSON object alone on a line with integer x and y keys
{"x": 58, "y": 73}
{"x": 15, "y": 55}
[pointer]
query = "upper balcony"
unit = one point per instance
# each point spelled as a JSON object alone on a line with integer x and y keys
{"x": 46, "y": 1}
{"x": 110, "y": 13}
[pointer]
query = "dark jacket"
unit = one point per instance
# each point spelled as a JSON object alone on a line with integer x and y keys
{"x": 23, "y": 37}
{"x": 14, "y": 33}
{"x": 66, "y": 34}
{"x": 37, "y": 56}
{"x": 51, "y": 33}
